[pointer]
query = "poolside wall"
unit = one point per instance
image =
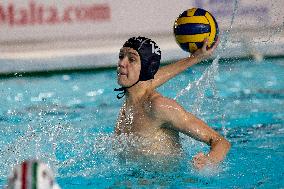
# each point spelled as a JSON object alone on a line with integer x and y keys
{"x": 37, "y": 35}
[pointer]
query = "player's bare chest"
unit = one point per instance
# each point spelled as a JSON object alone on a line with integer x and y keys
{"x": 134, "y": 119}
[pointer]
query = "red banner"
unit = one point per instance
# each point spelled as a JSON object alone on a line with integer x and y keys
{"x": 38, "y": 14}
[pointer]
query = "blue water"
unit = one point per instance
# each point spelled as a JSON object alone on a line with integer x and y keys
{"x": 67, "y": 120}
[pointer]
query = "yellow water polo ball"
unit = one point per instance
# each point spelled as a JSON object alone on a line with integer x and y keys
{"x": 192, "y": 27}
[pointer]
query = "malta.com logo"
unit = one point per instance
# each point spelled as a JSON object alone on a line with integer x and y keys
{"x": 33, "y": 13}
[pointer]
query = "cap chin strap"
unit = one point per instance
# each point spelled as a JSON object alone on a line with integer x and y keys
{"x": 123, "y": 89}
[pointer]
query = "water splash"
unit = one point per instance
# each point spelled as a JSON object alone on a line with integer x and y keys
{"x": 204, "y": 82}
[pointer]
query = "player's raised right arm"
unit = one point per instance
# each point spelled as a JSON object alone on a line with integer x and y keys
{"x": 169, "y": 71}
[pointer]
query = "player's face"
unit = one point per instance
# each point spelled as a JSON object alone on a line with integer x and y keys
{"x": 128, "y": 68}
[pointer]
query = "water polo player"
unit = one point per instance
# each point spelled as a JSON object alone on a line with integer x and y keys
{"x": 155, "y": 121}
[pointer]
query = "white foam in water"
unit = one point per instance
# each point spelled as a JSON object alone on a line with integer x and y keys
{"x": 95, "y": 93}
{"x": 75, "y": 88}
{"x": 66, "y": 77}
{"x": 19, "y": 97}
{"x": 42, "y": 96}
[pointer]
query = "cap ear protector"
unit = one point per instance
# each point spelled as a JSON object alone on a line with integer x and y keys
{"x": 150, "y": 56}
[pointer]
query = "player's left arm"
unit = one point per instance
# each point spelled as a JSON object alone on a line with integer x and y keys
{"x": 179, "y": 119}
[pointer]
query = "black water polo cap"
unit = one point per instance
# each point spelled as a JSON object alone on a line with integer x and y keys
{"x": 150, "y": 56}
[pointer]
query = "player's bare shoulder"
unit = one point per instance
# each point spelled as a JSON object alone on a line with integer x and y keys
{"x": 162, "y": 106}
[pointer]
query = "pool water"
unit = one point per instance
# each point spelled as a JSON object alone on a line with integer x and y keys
{"x": 67, "y": 120}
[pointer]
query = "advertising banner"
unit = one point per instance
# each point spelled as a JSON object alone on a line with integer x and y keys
{"x": 49, "y": 28}
{"x": 29, "y": 20}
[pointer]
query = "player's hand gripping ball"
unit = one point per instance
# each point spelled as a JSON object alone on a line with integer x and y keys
{"x": 192, "y": 27}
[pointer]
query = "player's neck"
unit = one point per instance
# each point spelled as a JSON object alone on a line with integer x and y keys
{"x": 135, "y": 93}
